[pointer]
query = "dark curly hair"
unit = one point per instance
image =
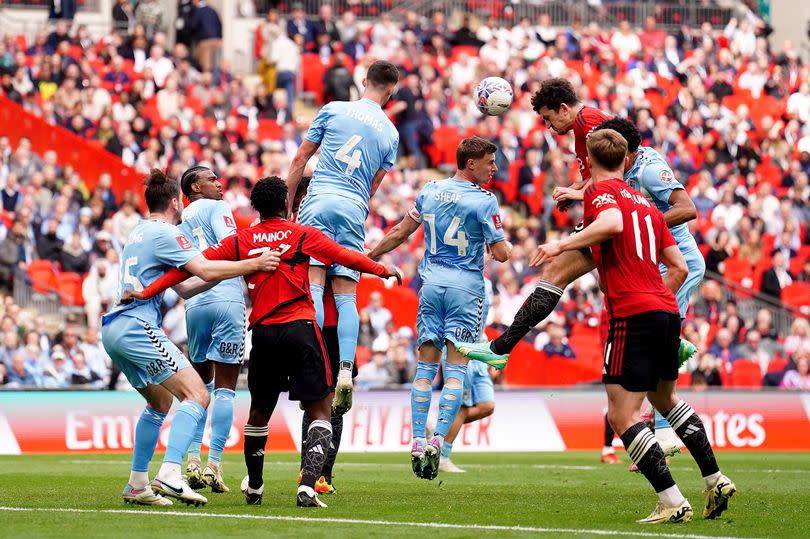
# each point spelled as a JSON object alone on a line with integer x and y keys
{"x": 625, "y": 128}
{"x": 160, "y": 190}
{"x": 269, "y": 197}
{"x": 553, "y": 93}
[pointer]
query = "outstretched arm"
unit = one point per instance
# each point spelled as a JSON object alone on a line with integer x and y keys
{"x": 320, "y": 247}
{"x": 299, "y": 162}
{"x": 683, "y": 209}
{"x": 395, "y": 237}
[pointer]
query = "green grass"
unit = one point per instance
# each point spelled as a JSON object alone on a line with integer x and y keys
{"x": 564, "y": 494}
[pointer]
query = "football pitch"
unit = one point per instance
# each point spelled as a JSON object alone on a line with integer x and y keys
{"x": 501, "y": 495}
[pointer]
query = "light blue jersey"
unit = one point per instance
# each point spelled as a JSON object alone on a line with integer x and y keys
{"x": 652, "y": 176}
{"x": 152, "y": 248}
{"x": 206, "y": 222}
{"x": 357, "y": 139}
{"x": 459, "y": 220}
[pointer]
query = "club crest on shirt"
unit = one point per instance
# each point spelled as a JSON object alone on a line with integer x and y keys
{"x": 184, "y": 243}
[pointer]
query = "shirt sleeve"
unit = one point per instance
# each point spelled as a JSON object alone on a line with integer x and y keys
{"x": 173, "y": 248}
{"x": 320, "y": 247}
{"x": 659, "y": 180}
{"x": 227, "y": 249}
{"x": 581, "y": 151}
{"x": 415, "y": 212}
{"x": 318, "y": 125}
{"x": 222, "y": 221}
{"x": 490, "y": 218}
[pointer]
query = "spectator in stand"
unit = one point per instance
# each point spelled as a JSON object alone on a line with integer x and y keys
{"x": 724, "y": 348}
{"x": 338, "y": 81}
{"x": 123, "y": 16}
{"x": 124, "y": 221}
{"x": 625, "y": 42}
{"x": 707, "y": 368}
{"x": 160, "y": 65}
{"x": 753, "y": 350}
{"x": 73, "y": 257}
{"x": 206, "y": 28}
{"x": 374, "y": 374}
{"x": 16, "y": 251}
{"x": 298, "y": 24}
{"x": 57, "y": 374}
{"x": 799, "y": 337}
{"x": 99, "y": 288}
{"x": 82, "y": 374}
{"x": 400, "y": 370}
{"x": 720, "y": 250}
{"x": 752, "y": 249}
{"x": 378, "y": 315}
{"x": 557, "y": 343}
{"x": 21, "y": 375}
{"x": 800, "y": 377}
{"x": 777, "y": 277}
{"x": 286, "y": 56}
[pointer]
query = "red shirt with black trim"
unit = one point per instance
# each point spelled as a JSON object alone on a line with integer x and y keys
{"x": 587, "y": 118}
{"x": 283, "y": 295}
{"x": 628, "y": 262}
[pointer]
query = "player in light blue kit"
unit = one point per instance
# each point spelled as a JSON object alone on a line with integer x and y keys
{"x": 358, "y": 146}
{"x": 132, "y": 337}
{"x": 648, "y": 172}
{"x": 460, "y": 220}
{"x": 215, "y": 323}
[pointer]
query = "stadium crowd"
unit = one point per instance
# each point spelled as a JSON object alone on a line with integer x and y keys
{"x": 731, "y": 114}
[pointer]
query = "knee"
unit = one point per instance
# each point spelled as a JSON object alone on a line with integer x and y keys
{"x": 554, "y": 273}
{"x": 161, "y": 403}
{"x": 486, "y": 409}
{"x": 199, "y": 394}
{"x": 617, "y": 421}
{"x": 257, "y": 418}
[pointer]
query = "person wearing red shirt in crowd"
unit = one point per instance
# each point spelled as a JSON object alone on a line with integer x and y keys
{"x": 628, "y": 238}
{"x": 562, "y": 111}
{"x": 282, "y": 321}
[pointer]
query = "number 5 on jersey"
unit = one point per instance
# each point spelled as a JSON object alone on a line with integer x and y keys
{"x": 459, "y": 241}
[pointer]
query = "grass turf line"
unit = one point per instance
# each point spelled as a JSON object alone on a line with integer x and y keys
{"x": 504, "y": 489}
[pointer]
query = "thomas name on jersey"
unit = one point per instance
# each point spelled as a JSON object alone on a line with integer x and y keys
{"x": 365, "y": 118}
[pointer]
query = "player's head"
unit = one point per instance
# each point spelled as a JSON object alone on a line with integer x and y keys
{"x": 200, "y": 182}
{"x": 162, "y": 195}
{"x": 475, "y": 158}
{"x": 381, "y": 81}
{"x": 269, "y": 197}
{"x": 626, "y": 129}
{"x": 300, "y": 193}
{"x": 607, "y": 154}
{"x": 555, "y": 101}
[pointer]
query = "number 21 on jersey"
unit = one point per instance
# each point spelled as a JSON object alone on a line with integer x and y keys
{"x": 459, "y": 241}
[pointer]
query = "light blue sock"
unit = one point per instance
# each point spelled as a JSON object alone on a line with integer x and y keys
{"x": 317, "y": 298}
{"x": 421, "y": 394}
{"x": 450, "y": 401}
{"x": 348, "y": 327}
{"x": 147, "y": 432}
{"x": 661, "y": 421}
{"x": 447, "y": 449}
{"x": 194, "y": 448}
{"x": 184, "y": 423}
{"x": 221, "y": 421}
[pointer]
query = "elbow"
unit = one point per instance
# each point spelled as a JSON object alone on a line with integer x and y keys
{"x": 501, "y": 256}
{"x": 616, "y": 227}
{"x": 690, "y": 214}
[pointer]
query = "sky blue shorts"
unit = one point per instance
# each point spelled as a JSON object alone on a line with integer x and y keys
{"x": 448, "y": 314}
{"x": 143, "y": 353}
{"x": 340, "y": 219}
{"x": 697, "y": 268}
{"x": 216, "y": 332}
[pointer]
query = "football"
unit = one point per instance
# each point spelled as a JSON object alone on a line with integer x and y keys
{"x": 493, "y": 95}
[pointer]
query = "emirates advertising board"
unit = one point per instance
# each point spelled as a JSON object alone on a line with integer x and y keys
{"x": 543, "y": 420}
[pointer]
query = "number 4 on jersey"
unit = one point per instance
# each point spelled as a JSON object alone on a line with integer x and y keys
{"x": 352, "y": 161}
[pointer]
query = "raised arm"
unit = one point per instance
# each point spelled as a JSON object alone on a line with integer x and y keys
{"x": 683, "y": 209}
{"x": 299, "y": 162}
{"x": 395, "y": 237}
{"x": 318, "y": 246}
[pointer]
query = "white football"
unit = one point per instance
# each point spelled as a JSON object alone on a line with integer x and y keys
{"x": 493, "y": 96}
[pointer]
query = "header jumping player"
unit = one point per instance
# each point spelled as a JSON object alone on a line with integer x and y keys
{"x": 358, "y": 146}
{"x": 628, "y": 238}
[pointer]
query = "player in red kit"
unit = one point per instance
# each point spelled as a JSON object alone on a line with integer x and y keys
{"x": 288, "y": 352}
{"x": 628, "y": 238}
{"x": 562, "y": 111}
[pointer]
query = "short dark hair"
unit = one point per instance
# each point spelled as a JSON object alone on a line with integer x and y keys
{"x": 160, "y": 190}
{"x": 473, "y": 148}
{"x": 269, "y": 197}
{"x": 190, "y": 177}
{"x": 625, "y": 128}
{"x": 607, "y": 148}
{"x": 553, "y": 93}
{"x": 382, "y": 74}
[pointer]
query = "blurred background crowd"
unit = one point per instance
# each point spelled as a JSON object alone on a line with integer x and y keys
{"x": 730, "y": 111}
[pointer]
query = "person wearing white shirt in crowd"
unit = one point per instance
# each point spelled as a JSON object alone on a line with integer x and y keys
{"x": 378, "y": 315}
{"x": 374, "y": 374}
{"x": 798, "y": 104}
{"x": 160, "y": 65}
{"x": 625, "y": 41}
{"x": 495, "y": 52}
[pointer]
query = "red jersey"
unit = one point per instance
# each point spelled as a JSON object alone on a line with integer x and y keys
{"x": 282, "y": 295}
{"x": 628, "y": 262}
{"x": 587, "y": 118}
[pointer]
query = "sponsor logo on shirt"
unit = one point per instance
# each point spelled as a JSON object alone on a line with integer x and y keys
{"x": 496, "y": 220}
{"x": 184, "y": 243}
{"x": 604, "y": 198}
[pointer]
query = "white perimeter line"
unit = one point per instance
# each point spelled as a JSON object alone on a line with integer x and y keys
{"x": 194, "y": 514}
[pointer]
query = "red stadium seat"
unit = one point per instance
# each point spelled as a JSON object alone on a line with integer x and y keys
{"x": 777, "y": 364}
{"x": 69, "y": 288}
{"x": 738, "y": 270}
{"x": 42, "y": 276}
{"x": 746, "y": 373}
